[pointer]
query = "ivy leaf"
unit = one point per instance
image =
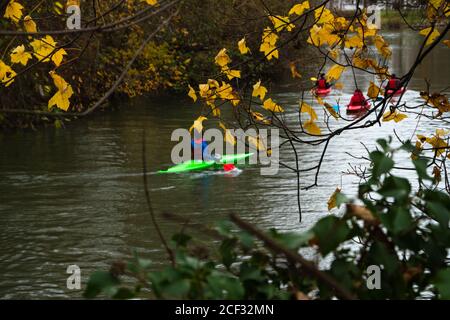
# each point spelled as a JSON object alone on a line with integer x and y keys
{"x": 442, "y": 283}
{"x": 381, "y": 163}
{"x": 330, "y": 233}
{"x": 101, "y": 281}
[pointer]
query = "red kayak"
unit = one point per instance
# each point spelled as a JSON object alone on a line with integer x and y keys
{"x": 358, "y": 108}
{"x": 322, "y": 92}
{"x": 396, "y": 93}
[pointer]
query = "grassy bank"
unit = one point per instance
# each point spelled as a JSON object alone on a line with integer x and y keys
{"x": 392, "y": 19}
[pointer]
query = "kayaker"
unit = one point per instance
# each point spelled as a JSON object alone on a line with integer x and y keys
{"x": 322, "y": 82}
{"x": 358, "y": 99}
{"x": 394, "y": 83}
{"x": 199, "y": 147}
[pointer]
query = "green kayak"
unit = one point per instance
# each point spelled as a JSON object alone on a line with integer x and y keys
{"x": 192, "y": 165}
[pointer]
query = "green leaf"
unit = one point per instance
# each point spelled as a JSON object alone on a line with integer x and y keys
{"x": 101, "y": 281}
{"x": 439, "y": 212}
{"x": 181, "y": 239}
{"x": 421, "y": 168}
{"x": 341, "y": 199}
{"x": 224, "y": 287}
{"x": 395, "y": 187}
{"x": 330, "y": 232}
{"x": 381, "y": 164}
{"x": 397, "y": 219}
{"x": 227, "y": 251}
{"x": 292, "y": 240}
{"x": 442, "y": 283}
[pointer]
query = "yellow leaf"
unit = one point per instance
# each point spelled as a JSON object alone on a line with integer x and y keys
{"x": 331, "y": 110}
{"x": 259, "y": 90}
{"x": 215, "y": 110}
{"x": 436, "y": 3}
{"x": 29, "y": 24}
{"x": 323, "y": 15}
{"x": 298, "y": 9}
{"x": 446, "y": 42}
{"x": 7, "y": 74}
{"x": 280, "y": 23}
{"x": 439, "y": 144}
{"x": 339, "y": 86}
{"x": 382, "y": 46}
{"x": 441, "y": 132}
{"x": 319, "y": 100}
{"x": 374, "y": 91}
{"x": 204, "y": 90}
{"x": 294, "y": 72}
{"x": 396, "y": 116}
{"x": 306, "y": 108}
{"x": 225, "y": 91}
{"x": 232, "y": 73}
{"x": 432, "y": 32}
{"x": 334, "y": 73}
{"x": 257, "y": 143}
{"x": 332, "y": 200}
{"x": 243, "y": 46}
{"x": 228, "y": 135}
{"x": 62, "y": 96}
{"x": 43, "y": 48}
{"x": 13, "y": 11}
{"x": 268, "y": 44}
{"x": 198, "y": 124}
{"x": 151, "y": 2}
{"x": 213, "y": 83}
{"x": 272, "y": 106}
{"x": 311, "y": 127}
{"x": 57, "y": 57}
{"x": 354, "y": 42}
{"x": 222, "y": 59}
{"x": 259, "y": 117}
{"x": 192, "y": 93}
{"x": 19, "y": 55}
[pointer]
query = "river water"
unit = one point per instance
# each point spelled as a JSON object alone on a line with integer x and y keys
{"x": 75, "y": 195}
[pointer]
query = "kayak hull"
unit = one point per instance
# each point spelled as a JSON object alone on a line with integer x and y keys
{"x": 358, "y": 108}
{"x": 195, "y": 165}
{"x": 322, "y": 92}
{"x": 396, "y": 93}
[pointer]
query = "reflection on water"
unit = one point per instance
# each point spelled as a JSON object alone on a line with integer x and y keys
{"x": 75, "y": 196}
